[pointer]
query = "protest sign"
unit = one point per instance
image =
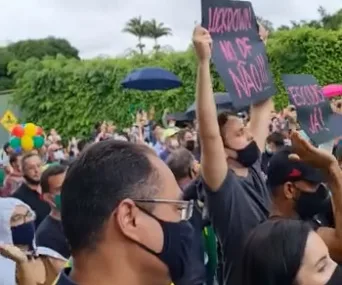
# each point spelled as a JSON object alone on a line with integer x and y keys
{"x": 314, "y": 113}
{"x": 238, "y": 52}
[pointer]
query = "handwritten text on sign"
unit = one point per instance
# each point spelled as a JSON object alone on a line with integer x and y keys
{"x": 313, "y": 110}
{"x": 238, "y": 53}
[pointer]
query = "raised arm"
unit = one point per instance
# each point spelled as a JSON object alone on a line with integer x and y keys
{"x": 328, "y": 164}
{"x": 261, "y": 113}
{"x": 213, "y": 159}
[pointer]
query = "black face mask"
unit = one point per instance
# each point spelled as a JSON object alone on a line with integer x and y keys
{"x": 336, "y": 278}
{"x": 190, "y": 145}
{"x": 248, "y": 155}
{"x": 308, "y": 204}
{"x": 31, "y": 181}
{"x": 178, "y": 238}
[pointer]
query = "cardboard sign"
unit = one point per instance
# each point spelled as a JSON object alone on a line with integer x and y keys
{"x": 313, "y": 110}
{"x": 238, "y": 52}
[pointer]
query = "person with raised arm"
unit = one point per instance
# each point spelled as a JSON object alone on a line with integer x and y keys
{"x": 237, "y": 195}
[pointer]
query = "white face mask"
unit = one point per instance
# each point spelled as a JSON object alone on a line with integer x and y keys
{"x": 287, "y": 142}
{"x": 59, "y": 155}
{"x": 268, "y": 149}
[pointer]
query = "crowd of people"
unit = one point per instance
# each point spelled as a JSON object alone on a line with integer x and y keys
{"x": 229, "y": 199}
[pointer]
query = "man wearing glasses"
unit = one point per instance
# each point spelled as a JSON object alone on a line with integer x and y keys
{"x": 124, "y": 217}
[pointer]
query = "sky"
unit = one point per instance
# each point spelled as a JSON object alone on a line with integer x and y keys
{"x": 95, "y": 27}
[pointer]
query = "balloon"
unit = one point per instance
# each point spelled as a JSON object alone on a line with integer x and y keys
{"x": 17, "y": 131}
{"x": 17, "y": 149}
{"x": 38, "y": 141}
{"x": 15, "y": 142}
{"x": 30, "y": 129}
{"x": 27, "y": 143}
{"x": 39, "y": 131}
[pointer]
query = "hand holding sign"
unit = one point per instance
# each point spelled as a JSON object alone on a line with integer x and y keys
{"x": 202, "y": 43}
{"x": 238, "y": 53}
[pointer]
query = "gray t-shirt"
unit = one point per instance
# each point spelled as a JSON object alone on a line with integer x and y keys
{"x": 235, "y": 209}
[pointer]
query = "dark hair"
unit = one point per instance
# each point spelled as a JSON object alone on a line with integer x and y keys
{"x": 81, "y": 144}
{"x": 97, "y": 125}
{"x": 13, "y": 158}
{"x": 154, "y": 126}
{"x": 181, "y": 134}
{"x": 273, "y": 253}
{"x": 52, "y": 170}
{"x": 276, "y": 138}
{"x": 223, "y": 118}
{"x": 6, "y": 146}
{"x": 180, "y": 162}
{"x": 97, "y": 181}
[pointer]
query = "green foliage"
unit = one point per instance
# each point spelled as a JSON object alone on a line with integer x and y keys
{"x": 50, "y": 46}
{"x": 72, "y": 95}
{"x": 24, "y": 50}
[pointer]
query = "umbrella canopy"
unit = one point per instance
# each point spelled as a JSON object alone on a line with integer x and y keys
{"x": 178, "y": 117}
{"x": 332, "y": 90}
{"x": 223, "y": 101}
{"x": 151, "y": 78}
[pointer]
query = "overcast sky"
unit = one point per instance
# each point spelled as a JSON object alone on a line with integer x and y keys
{"x": 95, "y": 26}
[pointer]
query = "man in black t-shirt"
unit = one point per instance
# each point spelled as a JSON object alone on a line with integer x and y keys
{"x": 237, "y": 196}
{"x": 50, "y": 232}
{"x": 299, "y": 191}
{"x": 29, "y": 191}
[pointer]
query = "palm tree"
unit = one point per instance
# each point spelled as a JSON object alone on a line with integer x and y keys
{"x": 137, "y": 27}
{"x": 157, "y": 30}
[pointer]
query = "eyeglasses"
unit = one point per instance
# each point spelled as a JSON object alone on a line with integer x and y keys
{"x": 185, "y": 207}
{"x": 19, "y": 218}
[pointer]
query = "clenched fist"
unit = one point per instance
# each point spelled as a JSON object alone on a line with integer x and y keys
{"x": 202, "y": 43}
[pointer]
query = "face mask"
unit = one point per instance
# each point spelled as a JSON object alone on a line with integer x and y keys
{"x": 190, "y": 145}
{"x": 336, "y": 278}
{"x": 308, "y": 204}
{"x": 31, "y": 181}
{"x": 268, "y": 149}
{"x": 248, "y": 155}
{"x": 58, "y": 155}
{"x": 57, "y": 201}
{"x": 177, "y": 246}
{"x": 23, "y": 235}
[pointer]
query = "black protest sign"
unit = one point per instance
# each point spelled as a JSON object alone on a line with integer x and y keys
{"x": 313, "y": 110}
{"x": 238, "y": 52}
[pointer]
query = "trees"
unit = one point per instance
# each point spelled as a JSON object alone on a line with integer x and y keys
{"x": 325, "y": 21}
{"x": 39, "y": 48}
{"x": 137, "y": 27}
{"x": 157, "y": 30}
{"x": 146, "y": 29}
{"x": 72, "y": 95}
{"x": 26, "y": 49}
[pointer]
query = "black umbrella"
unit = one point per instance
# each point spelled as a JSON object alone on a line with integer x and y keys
{"x": 223, "y": 101}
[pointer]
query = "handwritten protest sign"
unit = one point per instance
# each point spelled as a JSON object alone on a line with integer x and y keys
{"x": 313, "y": 110}
{"x": 238, "y": 52}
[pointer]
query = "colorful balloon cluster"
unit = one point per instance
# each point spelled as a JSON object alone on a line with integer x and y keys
{"x": 26, "y": 137}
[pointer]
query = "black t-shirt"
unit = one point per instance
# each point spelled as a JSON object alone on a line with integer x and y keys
{"x": 235, "y": 209}
{"x": 32, "y": 198}
{"x": 50, "y": 234}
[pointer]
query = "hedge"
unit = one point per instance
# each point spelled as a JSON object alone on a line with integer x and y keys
{"x": 72, "y": 95}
